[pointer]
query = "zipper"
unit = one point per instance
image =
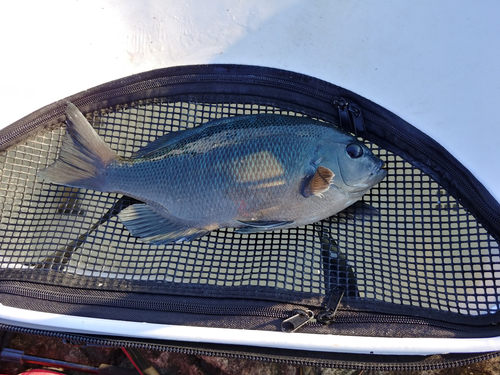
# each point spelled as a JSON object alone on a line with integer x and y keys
{"x": 350, "y": 116}
{"x": 301, "y": 317}
{"x": 325, "y": 316}
{"x": 293, "y": 316}
{"x": 77, "y": 339}
{"x": 298, "y": 319}
{"x": 113, "y": 299}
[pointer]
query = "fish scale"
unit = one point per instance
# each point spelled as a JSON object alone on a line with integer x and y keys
{"x": 252, "y": 173}
{"x": 207, "y": 180}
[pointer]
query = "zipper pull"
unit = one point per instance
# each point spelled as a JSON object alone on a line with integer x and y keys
{"x": 350, "y": 115}
{"x": 357, "y": 118}
{"x": 327, "y": 316}
{"x": 341, "y": 104}
{"x": 299, "y": 318}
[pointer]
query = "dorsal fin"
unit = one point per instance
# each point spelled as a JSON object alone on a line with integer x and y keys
{"x": 318, "y": 183}
{"x": 176, "y": 136}
{"x": 163, "y": 141}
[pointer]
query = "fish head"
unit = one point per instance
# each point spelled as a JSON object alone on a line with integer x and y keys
{"x": 356, "y": 168}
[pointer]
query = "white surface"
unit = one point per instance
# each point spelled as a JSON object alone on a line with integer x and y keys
{"x": 433, "y": 63}
{"x": 300, "y": 341}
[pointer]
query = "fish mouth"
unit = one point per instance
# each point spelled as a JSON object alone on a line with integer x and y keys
{"x": 377, "y": 174}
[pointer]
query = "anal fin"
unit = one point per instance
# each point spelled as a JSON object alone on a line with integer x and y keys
{"x": 151, "y": 226}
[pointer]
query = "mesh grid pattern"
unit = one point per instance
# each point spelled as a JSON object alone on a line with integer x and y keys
{"x": 422, "y": 248}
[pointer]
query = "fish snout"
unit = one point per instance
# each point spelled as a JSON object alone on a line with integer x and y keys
{"x": 379, "y": 172}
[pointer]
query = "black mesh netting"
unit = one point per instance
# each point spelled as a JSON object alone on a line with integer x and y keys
{"x": 420, "y": 247}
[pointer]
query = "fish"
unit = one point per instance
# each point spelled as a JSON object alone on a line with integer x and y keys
{"x": 252, "y": 173}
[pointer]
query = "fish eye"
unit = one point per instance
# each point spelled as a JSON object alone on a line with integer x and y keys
{"x": 354, "y": 151}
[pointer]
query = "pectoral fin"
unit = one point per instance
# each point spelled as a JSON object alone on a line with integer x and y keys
{"x": 318, "y": 183}
{"x": 143, "y": 221}
{"x": 255, "y": 226}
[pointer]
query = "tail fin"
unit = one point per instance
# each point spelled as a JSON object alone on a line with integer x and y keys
{"x": 83, "y": 157}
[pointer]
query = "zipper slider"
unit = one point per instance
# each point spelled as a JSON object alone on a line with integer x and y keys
{"x": 327, "y": 316}
{"x": 357, "y": 118}
{"x": 341, "y": 104}
{"x": 350, "y": 115}
{"x": 299, "y": 318}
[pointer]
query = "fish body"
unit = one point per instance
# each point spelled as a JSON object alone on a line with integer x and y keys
{"x": 253, "y": 173}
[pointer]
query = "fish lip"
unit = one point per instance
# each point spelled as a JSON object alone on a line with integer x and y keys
{"x": 377, "y": 174}
{"x": 378, "y": 171}
{"x": 380, "y": 174}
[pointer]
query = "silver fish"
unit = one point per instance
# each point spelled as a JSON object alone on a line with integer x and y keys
{"x": 252, "y": 173}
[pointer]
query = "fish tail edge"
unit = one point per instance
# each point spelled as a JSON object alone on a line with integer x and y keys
{"x": 83, "y": 158}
